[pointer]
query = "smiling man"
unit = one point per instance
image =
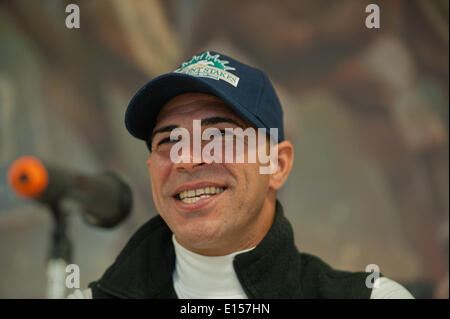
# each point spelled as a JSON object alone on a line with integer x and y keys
{"x": 218, "y": 208}
{"x": 220, "y": 232}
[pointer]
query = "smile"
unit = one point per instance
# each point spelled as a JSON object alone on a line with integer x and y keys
{"x": 191, "y": 196}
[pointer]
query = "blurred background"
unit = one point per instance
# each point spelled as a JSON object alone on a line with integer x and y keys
{"x": 366, "y": 110}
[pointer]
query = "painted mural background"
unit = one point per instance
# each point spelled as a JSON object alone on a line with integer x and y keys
{"x": 366, "y": 110}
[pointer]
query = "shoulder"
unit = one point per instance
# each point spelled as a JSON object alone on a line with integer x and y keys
{"x": 148, "y": 250}
{"x": 320, "y": 280}
{"x": 153, "y": 231}
{"x": 385, "y": 288}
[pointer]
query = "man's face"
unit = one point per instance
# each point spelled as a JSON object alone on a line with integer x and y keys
{"x": 231, "y": 218}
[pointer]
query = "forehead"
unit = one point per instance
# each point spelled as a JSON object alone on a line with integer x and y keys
{"x": 194, "y": 106}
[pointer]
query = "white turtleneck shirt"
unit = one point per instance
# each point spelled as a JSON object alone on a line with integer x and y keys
{"x": 205, "y": 277}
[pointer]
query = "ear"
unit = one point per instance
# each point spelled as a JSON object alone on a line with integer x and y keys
{"x": 149, "y": 161}
{"x": 285, "y": 162}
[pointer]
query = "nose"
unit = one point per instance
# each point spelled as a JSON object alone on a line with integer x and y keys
{"x": 188, "y": 167}
{"x": 195, "y": 160}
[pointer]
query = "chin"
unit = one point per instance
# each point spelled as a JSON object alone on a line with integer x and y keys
{"x": 199, "y": 236}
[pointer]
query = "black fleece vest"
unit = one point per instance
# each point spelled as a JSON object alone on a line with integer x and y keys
{"x": 273, "y": 269}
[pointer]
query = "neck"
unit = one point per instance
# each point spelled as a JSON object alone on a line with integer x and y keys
{"x": 198, "y": 276}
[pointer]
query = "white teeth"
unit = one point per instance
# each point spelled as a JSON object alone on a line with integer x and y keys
{"x": 183, "y": 194}
{"x": 193, "y": 195}
{"x": 191, "y": 200}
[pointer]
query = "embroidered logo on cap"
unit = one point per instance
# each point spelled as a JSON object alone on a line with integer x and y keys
{"x": 209, "y": 66}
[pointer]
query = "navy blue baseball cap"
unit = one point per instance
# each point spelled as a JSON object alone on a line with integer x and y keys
{"x": 247, "y": 90}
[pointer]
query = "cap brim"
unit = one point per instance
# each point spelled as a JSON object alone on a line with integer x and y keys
{"x": 140, "y": 116}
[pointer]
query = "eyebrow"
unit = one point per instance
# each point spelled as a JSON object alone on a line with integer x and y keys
{"x": 218, "y": 119}
{"x": 205, "y": 121}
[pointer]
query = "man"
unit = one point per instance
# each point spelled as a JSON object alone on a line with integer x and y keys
{"x": 220, "y": 232}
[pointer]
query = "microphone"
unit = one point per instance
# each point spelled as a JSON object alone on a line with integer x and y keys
{"x": 104, "y": 199}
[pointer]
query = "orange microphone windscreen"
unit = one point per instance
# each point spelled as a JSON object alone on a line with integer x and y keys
{"x": 28, "y": 177}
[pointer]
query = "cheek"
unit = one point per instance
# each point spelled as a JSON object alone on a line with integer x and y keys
{"x": 251, "y": 185}
{"x": 259, "y": 182}
{"x": 249, "y": 195}
{"x": 258, "y": 185}
{"x": 159, "y": 169}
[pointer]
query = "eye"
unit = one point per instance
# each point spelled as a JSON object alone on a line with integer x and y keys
{"x": 226, "y": 133}
{"x": 167, "y": 140}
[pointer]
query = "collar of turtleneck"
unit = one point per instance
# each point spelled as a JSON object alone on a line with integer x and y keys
{"x": 197, "y": 277}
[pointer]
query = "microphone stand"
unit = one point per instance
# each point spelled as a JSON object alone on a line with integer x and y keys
{"x": 60, "y": 255}
{"x": 103, "y": 200}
